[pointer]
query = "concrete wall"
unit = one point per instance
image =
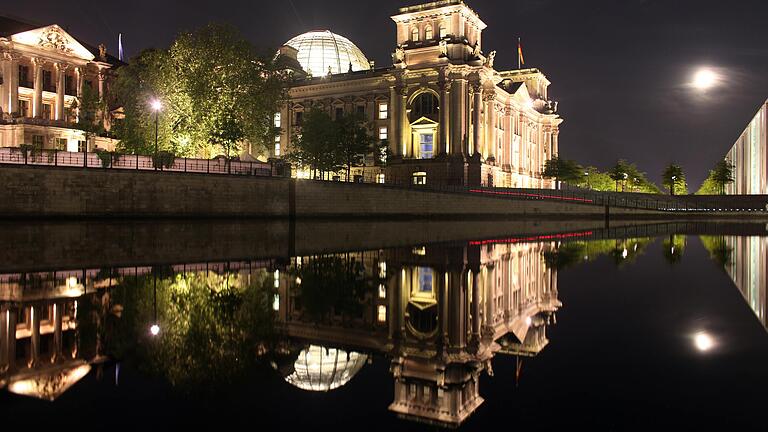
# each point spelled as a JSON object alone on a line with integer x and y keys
{"x": 76, "y": 192}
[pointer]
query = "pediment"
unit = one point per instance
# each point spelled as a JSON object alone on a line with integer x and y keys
{"x": 53, "y": 38}
{"x": 424, "y": 121}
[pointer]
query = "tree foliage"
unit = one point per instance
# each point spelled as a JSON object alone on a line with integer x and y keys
{"x": 354, "y": 141}
{"x": 562, "y": 170}
{"x": 216, "y": 91}
{"x": 720, "y": 177}
{"x": 673, "y": 178}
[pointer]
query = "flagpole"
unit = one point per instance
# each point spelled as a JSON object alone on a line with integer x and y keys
{"x": 519, "y": 66}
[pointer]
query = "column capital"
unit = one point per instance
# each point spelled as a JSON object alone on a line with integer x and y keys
{"x": 62, "y": 67}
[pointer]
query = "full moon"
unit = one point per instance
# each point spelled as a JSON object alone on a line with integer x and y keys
{"x": 704, "y": 79}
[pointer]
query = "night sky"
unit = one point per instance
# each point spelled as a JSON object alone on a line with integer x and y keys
{"x": 620, "y": 69}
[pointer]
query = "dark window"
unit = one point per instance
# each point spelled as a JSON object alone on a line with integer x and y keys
{"x": 37, "y": 142}
{"x": 339, "y": 112}
{"x": 361, "y": 110}
{"x": 24, "y": 76}
{"x": 47, "y": 111}
{"x": 299, "y": 117}
{"x": 24, "y": 108}
{"x": 61, "y": 144}
{"x": 425, "y": 105}
{"x": 69, "y": 85}
{"x": 81, "y": 147}
{"x": 48, "y": 81}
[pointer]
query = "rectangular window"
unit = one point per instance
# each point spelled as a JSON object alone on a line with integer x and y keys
{"x": 382, "y": 314}
{"x": 24, "y": 108}
{"x": 443, "y": 31}
{"x": 361, "y": 110}
{"x": 380, "y": 179}
{"x": 277, "y": 146}
{"x": 24, "y": 80}
{"x": 37, "y": 142}
{"x": 278, "y": 120}
{"x": 426, "y": 146}
{"x": 69, "y": 85}
{"x": 383, "y": 111}
{"x": 48, "y": 81}
{"x": 82, "y": 147}
{"x": 382, "y": 133}
{"x": 420, "y": 178}
{"x": 299, "y": 117}
{"x": 47, "y": 111}
{"x": 339, "y": 112}
{"x": 61, "y": 144}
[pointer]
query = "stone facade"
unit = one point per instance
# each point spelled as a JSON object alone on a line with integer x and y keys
{"x": 749, "y": 156}
{"x": 43, "y": 71}
{"x": 448, "y": 115}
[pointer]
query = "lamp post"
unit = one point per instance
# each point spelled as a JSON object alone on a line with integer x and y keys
{"x": 624, "y": 184}
{"x": 672, "y": 186}
{"x": 154, "y": 329}
{"x": 586, "y": 174}
{"x": 157, "y": 106}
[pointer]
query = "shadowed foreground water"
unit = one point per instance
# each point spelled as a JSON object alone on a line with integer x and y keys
{"x": 632, "y": 327}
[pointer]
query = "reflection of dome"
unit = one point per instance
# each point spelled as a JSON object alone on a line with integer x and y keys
{"x": 322, "y": 369}
{"x": 317, "y": 50}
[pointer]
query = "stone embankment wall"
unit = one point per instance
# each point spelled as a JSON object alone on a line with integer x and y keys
{"x": 75, "y": 193}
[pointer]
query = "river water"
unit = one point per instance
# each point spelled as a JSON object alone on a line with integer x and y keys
{"x": 385, "y": 325}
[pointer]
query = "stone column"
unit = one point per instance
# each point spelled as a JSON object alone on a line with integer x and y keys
{"x": 61, "y": 70}
{"x": 13, "y": 87}
{"x": 444, "y": 118}
{"x": 555, "y": 142}
{"x": 34, "y": 348}
{"x": 4, "y": 332}
{"x": 493, "y": 131}
{"x": 477, "y": 118}
{"x": 57, "y": 331}
{"x": 405, "y": 131}
{"x": 5, "y": 89}
{"x": 475, "y": 311}
{"x": 79, "y": 79}
{"x": 102, "y": 79}
{"x": 458, "y": 139}
{"x": 37, "y": 98}
{"x": 393, "y": 134}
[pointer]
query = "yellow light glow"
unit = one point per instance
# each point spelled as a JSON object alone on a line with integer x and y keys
{"x": 705, "y": 79}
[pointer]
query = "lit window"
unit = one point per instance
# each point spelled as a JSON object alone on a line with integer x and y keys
{"x": 382, "y": 291}
{"x": 443, "y": 31}
{"x": 380, "y": 179}
{"x": 426, "y": 146}
{"x": 276, "y": 303}
{"x": 420, "y": 178}
{"x": 383, "y": 111}
{"x": 382, "y": 315}
{"x": 382, "y": 133}
{"x": 277, "y": 147}
{"x": 428, "y": 32}
{"x": 278, "y": 120}
{"x": 415, "y": 35}
{"x": 382, "y": 270}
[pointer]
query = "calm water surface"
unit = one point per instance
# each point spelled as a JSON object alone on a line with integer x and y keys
{"x": 659, "y": 326}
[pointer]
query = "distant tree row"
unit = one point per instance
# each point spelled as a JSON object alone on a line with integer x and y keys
{"x": 626, "y": 177}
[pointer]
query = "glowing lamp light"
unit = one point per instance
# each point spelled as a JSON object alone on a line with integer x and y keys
{"x": 704, "y": 79}
{"x": 156, "y": 105}
{"x": 154, "y": 330}
{"x": 703, "y": 341}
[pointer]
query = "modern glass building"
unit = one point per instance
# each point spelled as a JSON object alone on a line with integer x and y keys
{"x": 750, "y": 157}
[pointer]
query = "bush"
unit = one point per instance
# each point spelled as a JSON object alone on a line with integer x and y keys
{"x": 107, "y": 158}
{"x": 163, "y": 159}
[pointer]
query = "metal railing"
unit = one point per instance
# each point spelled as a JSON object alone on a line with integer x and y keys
{"x": 60, "y": 158}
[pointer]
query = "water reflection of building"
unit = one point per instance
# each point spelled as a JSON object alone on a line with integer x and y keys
{"x": 441, "y": 313}
{"x": 747, "y": 265}
{"x": 40, "y": 352}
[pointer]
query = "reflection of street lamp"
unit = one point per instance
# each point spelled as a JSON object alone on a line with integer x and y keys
{"x": 154, "y": 329}
{"x": 624, "y": 184}
{"x": 157, "y": 106}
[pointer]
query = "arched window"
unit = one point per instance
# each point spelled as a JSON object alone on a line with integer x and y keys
{"x": 443, "y": 31}
{"x": 415, "y": 34}
{"x": 425, "y": 105}
{"x": 428, "y": 32}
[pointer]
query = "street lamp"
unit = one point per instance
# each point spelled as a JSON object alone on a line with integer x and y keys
{"x": 154, "y": 329}
{"x": 672, "y": 186}
{"x": 586, "y": 174}
{"x": 157, "y": 106}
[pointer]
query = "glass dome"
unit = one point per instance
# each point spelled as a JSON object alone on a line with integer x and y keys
{"x": 319, "y": 50}
{"x": 321, "y": 369}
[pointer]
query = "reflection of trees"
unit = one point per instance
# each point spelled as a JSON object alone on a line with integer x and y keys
{"x": 570, "y": 254}
{"x": 332, "y": 285}
{"x": 211, "y": 325}
{"x": 674, "y": 248}
{"x": 718, "y": 249}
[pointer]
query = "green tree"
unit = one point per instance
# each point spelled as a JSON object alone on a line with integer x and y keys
{"x": 562, "y": 170}
{"x": 673, "y": 178}
{"x": 214, "y": 87}
{"x": 619, "y": 173}
{"x": 723, "y": 175}
{"x": 596, "y": 180}
{"x": 709, "y": 186}
{"x": 91, "y": 110}
{"x": 354, "y": 141}
{"x": 316, "y": 146}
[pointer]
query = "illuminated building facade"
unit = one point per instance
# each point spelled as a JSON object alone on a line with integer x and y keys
{"x": 43, "y": 71}
{"x": 440, "y": 313}
{"x": 747, "y": 265}
{"x": 750, "y": 157}
{"x": 448, "y": 115}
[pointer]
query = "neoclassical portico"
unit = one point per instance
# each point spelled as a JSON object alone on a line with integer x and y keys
{"x": 44, "y": 72}
{"x": 449, "y": 116}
